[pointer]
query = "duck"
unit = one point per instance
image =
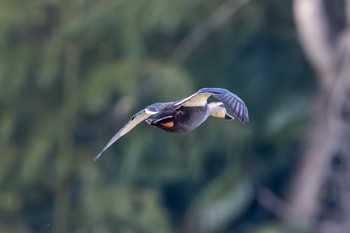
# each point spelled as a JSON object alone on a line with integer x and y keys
{"x": 187, "y": 114}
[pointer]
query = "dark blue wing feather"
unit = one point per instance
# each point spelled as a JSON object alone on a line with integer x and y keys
{"x": 231, "y": 101}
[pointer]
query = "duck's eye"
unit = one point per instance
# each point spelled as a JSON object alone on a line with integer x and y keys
{"x": 221, "y": 105}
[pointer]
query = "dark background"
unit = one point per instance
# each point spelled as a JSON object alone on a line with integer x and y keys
{"x": 73, "y": 72}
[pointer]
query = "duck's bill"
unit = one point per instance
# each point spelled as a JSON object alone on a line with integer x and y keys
{"x": 229, "y": 117}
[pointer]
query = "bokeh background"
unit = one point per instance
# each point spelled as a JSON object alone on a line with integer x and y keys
{"x": 72, "y": 72}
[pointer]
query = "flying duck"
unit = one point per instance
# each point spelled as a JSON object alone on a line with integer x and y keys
{"x": 186, "y": 114}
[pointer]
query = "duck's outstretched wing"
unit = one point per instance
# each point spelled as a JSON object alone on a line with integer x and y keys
{"x": 135, "y": 120}
{"x": 231, "y": 101}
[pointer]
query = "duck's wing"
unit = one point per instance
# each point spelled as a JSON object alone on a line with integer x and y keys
{"x": 231, "y": 101}
{"x": 135, "y": 120}
{"x": 195, "y": 100}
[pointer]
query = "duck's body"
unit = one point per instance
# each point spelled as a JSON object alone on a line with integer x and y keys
{"x": 187, "y": 114}
{"x": 179, "y": 120}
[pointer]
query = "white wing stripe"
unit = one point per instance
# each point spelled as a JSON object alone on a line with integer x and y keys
{"x": 150, "y": 112}
{"x": 195, "y": 100}
{"x": 135, "y": 120}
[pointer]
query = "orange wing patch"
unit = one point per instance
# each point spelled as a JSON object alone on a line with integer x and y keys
{"x": 168, "y": 124}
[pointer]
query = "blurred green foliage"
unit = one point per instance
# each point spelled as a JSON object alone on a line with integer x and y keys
{"x": 73, "y": 72}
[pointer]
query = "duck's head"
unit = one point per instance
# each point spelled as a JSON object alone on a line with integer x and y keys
{"x": 217, "y": 109}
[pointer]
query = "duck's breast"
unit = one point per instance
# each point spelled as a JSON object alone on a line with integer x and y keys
{"x": 189, "y": 118}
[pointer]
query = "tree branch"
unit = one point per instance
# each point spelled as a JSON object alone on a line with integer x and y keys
{"x": 314, "y": 33}
{"x": 326, "y": 138}
{"x": 218, "y": 18}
